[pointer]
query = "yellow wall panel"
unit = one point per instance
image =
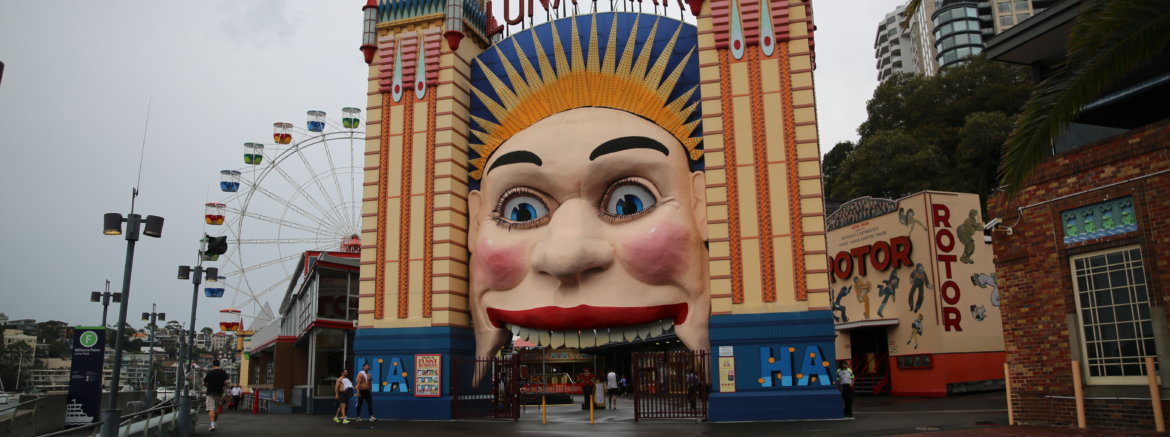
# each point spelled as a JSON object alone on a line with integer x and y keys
{"x": 716, "y": 212}
{"x": 416, "y": 281}
{"x": 417, "y": 222}
{"x": 774, "y": 127}
{"x": 708, "y": 57}
{"x": 809, "y": 168}
{"x": 806, "y": 133}
{"x": 444, "y": 267}
{"x": 782, "y": 257}
{"x": 778, "y": 183}
{"x": 804, "y": 115}
{"x": 742, "y": 107}
{"x": 450, "y": 284}
{"x": 713, "y": 125}
{"x": 814, "y": 243}
{"x": 810, "y": 186}
{"x": 715, "y": 177}
{"x": 720, "y": 268}
{"x": 706, "y": 39}
{"x": 801, "y": 62}
{"x": 721, "y": 305}
{"x": 720, "y": 286}
{"x": 443, "y": 250}
{"x": 797, "y": 30}
{"x": 714, "y": 159}
{"x": 420, "y": 116}
{"x": 803, "y": 97}
{"x": 818, "y": 300}
{"x": 716, "y": 194}
{"x": 717, "y": 231}
{"x": 370, "y": 161}
{"x": 801, "y": 80}
{"x": 366, "y": 271}
{"x": 448, "y": 201}
{"x": 817, "y": 281}
{"x": 770, "y": 75}
{"x": 720, "y": 249}
{"x": 812, "y": 205}
{"x": 748, "y": 211}
{"x": 418, "y": 171}
{"x": 392, "y": 223}
{"x": 796, "y": 12}
{"x": 751, "y": 270}
{"x": 814, "y": 224}
{"x": 798, "y": 45}
{"x": 807, "y": 150}
{"x": 369, "y": 222}
{"x": 451, "y": 217}
{"x": 712, "y": 107}
{"x": 396, "y": 120}
{"x": 739, "y": 78}
{"x": 713, "y": 141}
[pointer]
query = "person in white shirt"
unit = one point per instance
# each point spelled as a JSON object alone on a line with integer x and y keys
{"x": 611, "y": 387}
{"x": 845, "y": 384}
{"x": 237, "y": 392}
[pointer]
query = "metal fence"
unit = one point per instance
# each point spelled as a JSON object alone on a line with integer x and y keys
{"x": 671, "y": 385}
{"x": 488, "y": 387}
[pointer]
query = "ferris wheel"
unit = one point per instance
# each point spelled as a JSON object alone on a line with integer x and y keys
{"x": 301, "y": 192}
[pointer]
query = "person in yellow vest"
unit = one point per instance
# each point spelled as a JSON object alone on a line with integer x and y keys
{"x": 845, "y": 385}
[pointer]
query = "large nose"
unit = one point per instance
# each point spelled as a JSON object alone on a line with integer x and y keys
{"x": 574, "y": 246}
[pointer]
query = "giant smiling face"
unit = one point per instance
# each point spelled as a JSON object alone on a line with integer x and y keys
{"x": 586, "y": 221}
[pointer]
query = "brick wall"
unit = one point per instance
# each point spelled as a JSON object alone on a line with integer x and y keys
{"x": 1035, "y": 278}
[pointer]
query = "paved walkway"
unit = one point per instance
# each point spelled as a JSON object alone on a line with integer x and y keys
{"x": 980, "y": 414}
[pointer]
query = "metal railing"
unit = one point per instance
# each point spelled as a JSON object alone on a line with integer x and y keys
{"x": 155, "y": 418}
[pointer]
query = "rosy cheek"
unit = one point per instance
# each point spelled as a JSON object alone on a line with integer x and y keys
{"x": 498, "y": 267}
{"x": 658, "y": 256}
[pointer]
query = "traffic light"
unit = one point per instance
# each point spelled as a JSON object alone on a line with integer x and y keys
{"x": 216, "y": 245}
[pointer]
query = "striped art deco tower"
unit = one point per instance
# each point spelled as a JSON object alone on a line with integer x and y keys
{"x": 767, "y": 258}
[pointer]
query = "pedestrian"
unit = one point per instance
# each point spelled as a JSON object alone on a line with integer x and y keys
{"x": 214, "y": 383}
{"x": 237, "y": 394}
{"x": 624, "y": 385}
{"x": 365, "y": 394}
{"x": 342, "y": 391}
{"x": 694, "y": 384}
{"x": 611, "y": 388}
{"x": 845, "y": 385}
{"x": 587, "y": 389}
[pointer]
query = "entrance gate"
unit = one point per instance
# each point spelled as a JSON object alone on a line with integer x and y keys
{"x": 661, "y": 388}
{"x": 497, "y": 394}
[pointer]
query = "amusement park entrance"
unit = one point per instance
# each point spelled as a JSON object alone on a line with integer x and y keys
{"x": 488, "y": 387}
{"x": 671, "y": 384}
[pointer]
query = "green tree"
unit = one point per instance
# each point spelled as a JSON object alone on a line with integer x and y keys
{"x": 831, "y": 163}
{"x": 16, "y": 362}
{"x": 1109, "y": 39}
{"x": 891, "y": 164}
{"x": 934, "y": 118}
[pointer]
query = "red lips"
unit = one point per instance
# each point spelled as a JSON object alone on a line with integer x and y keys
{"x": 586, "y": 317}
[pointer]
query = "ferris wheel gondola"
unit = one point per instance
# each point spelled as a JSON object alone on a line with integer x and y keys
{"x": 300, "y": 193}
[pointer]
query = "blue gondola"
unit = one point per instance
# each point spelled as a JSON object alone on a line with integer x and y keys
{"x": 229, "y": 180}
{"x": 316, "y": 121}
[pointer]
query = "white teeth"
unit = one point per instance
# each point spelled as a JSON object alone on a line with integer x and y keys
{"x": 644, "y": 330}
{"x": 545, "y": 339}
{"x": 631, "y": 333}
{"x": 572, "y": 340}
{"x": 526, "y": 334}
{"x": 655, "y": 329}
{"x": 602, "y": 336}
{"x": 515, "y": 330}
{"x": 615, "y": 335}
{"x": 558, "y": 339}
{"x": 588, "y": 338}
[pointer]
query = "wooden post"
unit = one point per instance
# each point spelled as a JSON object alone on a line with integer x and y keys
{"x": 1007, "y": 383}
{"x": 1078, "y": 394}
{"x": 1155, "y": 395}
{"x": 543, "y": 416}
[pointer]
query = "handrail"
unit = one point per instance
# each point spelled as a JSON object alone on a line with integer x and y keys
{"x": 168, "y": 404}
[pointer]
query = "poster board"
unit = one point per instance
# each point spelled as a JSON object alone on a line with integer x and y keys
{"x": 428, "y": 375}
{"x": 727, "y": 374}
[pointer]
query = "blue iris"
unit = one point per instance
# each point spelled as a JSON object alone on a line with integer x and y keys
{"x": 523, "y": 212}
{"x": 629, "y": 204}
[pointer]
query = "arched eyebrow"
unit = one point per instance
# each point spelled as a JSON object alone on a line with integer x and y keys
{"x": 626, "y": 143}
{"x": 516, "y": 157}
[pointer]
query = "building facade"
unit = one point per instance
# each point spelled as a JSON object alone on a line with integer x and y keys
{"x": 894, "y": 46}
{"x": 739, "y": 127}
{"x": 916, "y": 301}
{"x": 1080, "y": 249}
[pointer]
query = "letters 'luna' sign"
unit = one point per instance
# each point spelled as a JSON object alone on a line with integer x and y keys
{"x": 387, "y": 375}
{"x": 784, "y": 365}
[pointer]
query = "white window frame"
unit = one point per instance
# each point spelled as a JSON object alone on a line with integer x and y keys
{"x": 1084, "y": 345}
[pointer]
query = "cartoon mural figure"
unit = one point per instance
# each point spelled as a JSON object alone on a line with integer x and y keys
{"x": 979, "y": 312}
{"x": 843, "y": 318}
{"x": 984, "y": 280}
{"x": 918, "y": 283}
{"x": 906, "y": 217}
{"x": 966, "y": 233}
{"x": 587, "y": 208}
{"x": 862, "y": 286}
{"x": 915, "y": 331}
{"x": 888, "y": 290}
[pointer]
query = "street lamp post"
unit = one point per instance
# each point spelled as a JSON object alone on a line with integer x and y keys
{"x": 208, "y": 246}
{"x": 104, "y": 298}
{"x": 112, "y": 416}
{"x": 153, "y": 316}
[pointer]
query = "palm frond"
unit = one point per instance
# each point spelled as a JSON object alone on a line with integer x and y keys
{"x": 1109, "y": 39}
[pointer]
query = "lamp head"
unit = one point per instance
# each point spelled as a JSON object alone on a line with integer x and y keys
{"x": 184, "y": 272}
{"x": 112, "y": 224}
{"x": 117, "y": 297}
{"x": 145, "y": 317}
{"x": 162, "y": 316}
{"x": 95, "y": 296}
{"x": 212, "y": 274}
{"x": 154, "y": 226}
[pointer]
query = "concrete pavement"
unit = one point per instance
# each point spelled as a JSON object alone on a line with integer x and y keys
{"x": 978, "y": 414}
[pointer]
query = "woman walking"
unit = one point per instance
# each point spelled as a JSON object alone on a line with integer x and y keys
{"x": 342, "y": 391}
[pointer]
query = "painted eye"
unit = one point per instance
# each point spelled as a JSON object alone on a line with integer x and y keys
{"x": 523, "y": 208}
{"x": 628, "y": 199}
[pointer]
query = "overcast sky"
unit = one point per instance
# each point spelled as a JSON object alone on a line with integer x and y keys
{"x": 77, "y": 80}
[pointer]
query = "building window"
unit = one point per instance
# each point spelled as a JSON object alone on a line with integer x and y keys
{"x": 1006, "y": 20}
{"x": 1021, "y": 17}
{"x": 1021, "y": 5}
{"x": 1004, "y": 6}
{"x": 1113, "y": 308}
